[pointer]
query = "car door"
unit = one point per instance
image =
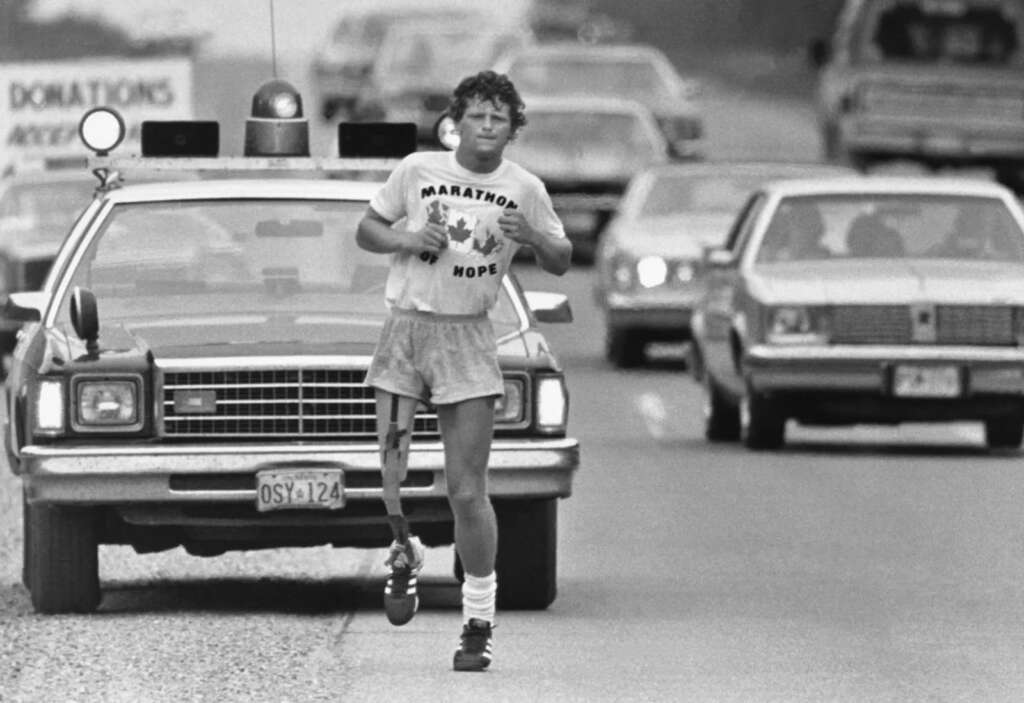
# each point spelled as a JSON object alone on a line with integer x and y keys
{"x": 723, "y": 286}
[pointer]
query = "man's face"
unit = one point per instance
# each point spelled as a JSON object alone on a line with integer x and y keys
{"x": 485, "y": 127}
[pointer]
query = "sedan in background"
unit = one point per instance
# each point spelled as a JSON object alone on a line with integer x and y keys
{"x": 637, "y": 72}
{"x": 586, "y": 150}
{"x": 649, "y": 254}
{"x": 420, "y": 63}
{"x": 865, "y": 300}
{"x": 342, "y": 64}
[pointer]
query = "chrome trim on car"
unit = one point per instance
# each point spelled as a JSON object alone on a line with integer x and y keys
{"x": 768, "y": 353}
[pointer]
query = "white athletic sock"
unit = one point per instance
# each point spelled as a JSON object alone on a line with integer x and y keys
{"x": 478, "y": 597}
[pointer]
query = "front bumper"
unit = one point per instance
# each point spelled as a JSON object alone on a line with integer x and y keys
{"x": 845, "y": 368}
{"x": 197, "y": 474}
{"x": 955, "y": 142}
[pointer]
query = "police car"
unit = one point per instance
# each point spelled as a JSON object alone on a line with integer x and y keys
{"x": 192, "y": 373}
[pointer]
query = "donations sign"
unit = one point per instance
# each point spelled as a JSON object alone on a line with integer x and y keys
{"x": 43, "y": 101}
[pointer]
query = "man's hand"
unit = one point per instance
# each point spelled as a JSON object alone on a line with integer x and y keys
{"x": 432, "y": 238}
{"x": 514, "y": 226}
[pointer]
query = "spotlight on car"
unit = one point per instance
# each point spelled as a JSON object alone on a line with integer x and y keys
{"x": 101, "y": 129}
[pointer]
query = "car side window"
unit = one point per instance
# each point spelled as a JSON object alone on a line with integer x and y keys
{"x": 744, "y": 223}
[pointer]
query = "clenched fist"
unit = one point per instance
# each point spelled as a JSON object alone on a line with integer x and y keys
{"x": 513, "y": 225}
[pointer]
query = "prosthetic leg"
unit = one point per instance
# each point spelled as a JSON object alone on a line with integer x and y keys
{"x": 406, "y": 553}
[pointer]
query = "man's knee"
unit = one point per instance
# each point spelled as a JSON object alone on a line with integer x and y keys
{"x": 469, "y": 497}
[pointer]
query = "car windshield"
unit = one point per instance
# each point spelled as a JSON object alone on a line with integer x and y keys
{"x": 892, "y": 226}
{"x": 706, "y": 193}
{"x": 584, "y": 140}
{"x": 220, "y": 259}
{"x": 636, "y": 79}
{"x": 46, "y": 208}
{"x": 941, "y": 31}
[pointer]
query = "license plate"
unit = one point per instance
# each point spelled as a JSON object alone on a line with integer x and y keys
{"x": 295, "y": 489}
{"x": 926, "y": 381}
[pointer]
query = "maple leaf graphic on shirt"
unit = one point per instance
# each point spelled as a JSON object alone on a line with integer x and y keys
{"x": 460, "y": 233}
{"x": 490, "y": 244}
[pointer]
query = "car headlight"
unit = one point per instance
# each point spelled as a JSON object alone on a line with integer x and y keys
{"x": 552, "y": 404}
{"x": 651, "y": 271}
{"x": 623, "y": 274}
{"x": 105, "y": 404}
{"x": 796, "y": 324}
{"x": 509, "y": 408}
{"x": 49, "y": 411}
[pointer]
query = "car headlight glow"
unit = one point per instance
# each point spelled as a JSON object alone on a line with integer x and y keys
{"x": 510, "y": 407}
{"x": 50, "y": 407}
{"x": 552, "y": 404}
{"x": 795, "y": 324}
{"x": 107, "y": 403}
{"x": 651, "y": 271}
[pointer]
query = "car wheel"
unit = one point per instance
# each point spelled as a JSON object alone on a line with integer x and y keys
{"x": 624, "y": 349}
{"x": 721, "y": 419}
{"x": 1004, "y": 432}
{"x": 527, "y": 544}
{"x": 762, "y": 422}
{"x": 62, "y": 558}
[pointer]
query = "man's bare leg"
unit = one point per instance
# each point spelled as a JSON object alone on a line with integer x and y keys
{"x": 467, "y": 428}
{"x": 394, "y": 422}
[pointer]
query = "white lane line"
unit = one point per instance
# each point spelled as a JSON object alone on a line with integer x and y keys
{"x": 655, "y": 416}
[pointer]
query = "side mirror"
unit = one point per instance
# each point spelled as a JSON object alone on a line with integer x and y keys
{"x": 24, "y": 306}
{"x": 549, "y": 307}
{"x": 85, "y": 318}
{"x": 819, "y": 53}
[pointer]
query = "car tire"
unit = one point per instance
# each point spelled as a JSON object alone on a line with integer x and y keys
{"x": 1004, "y": 432}
{"x": 762, "y": 422}
{"x": 624, "y": 349}
{"x": 721, "y": 418}
{"x": 62, "y": 558}
{"x": 527, "y": 546}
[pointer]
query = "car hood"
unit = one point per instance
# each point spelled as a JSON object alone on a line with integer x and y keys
{"x": 879, "y": 282}
{"x": 675, "y": 236}
{"x": 260, "y": 335}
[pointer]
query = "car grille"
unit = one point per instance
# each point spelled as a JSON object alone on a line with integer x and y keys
{"x": 298, "y": 404}
{"x": 953, "y": 324}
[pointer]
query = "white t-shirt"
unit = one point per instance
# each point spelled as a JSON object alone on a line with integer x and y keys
{"x": 464, "y": 278}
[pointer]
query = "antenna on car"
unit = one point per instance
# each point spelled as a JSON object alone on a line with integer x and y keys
{"x": 273, "y": 39}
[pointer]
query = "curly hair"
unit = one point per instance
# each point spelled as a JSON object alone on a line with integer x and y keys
{"x": 493, "y": 87}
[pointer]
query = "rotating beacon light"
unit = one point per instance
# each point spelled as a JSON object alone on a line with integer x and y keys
{"x": 276, "y": 126}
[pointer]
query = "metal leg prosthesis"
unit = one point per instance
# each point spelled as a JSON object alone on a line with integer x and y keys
{"x": 405, "y": 556}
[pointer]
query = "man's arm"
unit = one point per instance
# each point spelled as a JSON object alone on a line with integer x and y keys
{"x": 375, "y": 234}
{"x": 554, "y": 254}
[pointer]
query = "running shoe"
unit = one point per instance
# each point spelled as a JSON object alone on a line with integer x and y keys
{"x": 475, "y": 647}
{"x": 400, "y": 598}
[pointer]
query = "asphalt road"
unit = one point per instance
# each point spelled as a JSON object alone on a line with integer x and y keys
{"x": 855, "y": 565}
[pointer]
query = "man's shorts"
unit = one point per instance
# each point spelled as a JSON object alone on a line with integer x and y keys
{"x": 437, "y": 358}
